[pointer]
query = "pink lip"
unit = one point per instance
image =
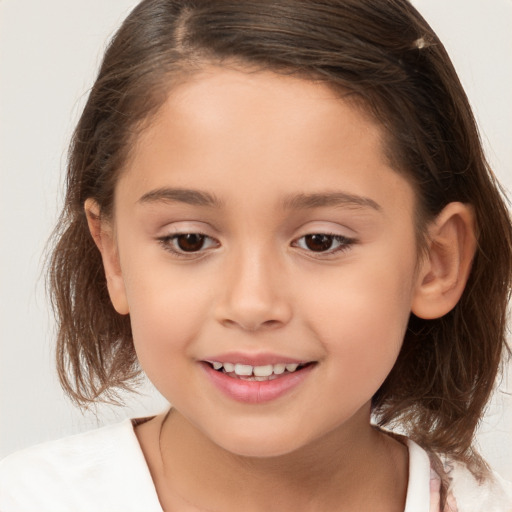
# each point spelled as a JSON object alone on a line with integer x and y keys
{"x": 254, "y": 392}
{"x": 260, "y": 359}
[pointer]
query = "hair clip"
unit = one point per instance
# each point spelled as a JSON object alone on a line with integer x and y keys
{"x": 419, "y": 43}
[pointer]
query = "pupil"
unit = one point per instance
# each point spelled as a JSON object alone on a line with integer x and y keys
{"x": 318, "y": 243}
{"x": 190, "y": 242}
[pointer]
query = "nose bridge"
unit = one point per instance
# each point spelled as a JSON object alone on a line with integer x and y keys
{"x": 254, "y": 296}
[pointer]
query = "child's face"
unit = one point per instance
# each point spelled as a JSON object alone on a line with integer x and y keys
{"x": 306, "y": 253}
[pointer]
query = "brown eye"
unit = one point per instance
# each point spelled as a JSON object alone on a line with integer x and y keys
{"x": 190, "y": 245}
{"x": 324, "y": 243}
{"x": 190, "y": 242}
{"x": 318, "y": 242}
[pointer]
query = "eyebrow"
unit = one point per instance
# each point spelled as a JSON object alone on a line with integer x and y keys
{"x": 181, "y": 195}
{"x": 293, "y": 202}
{"x": 318, "y": 200}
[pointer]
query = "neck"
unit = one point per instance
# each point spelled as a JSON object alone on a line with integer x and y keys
{"x": 354, "y": 467}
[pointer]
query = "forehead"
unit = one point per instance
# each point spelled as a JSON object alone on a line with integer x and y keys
{"x": 271, "y": 105}
{"x": 226, "y": 130}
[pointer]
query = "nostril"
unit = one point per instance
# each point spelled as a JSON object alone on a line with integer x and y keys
{"x": 271, "y": 323}
{"x": 251, "y": 325}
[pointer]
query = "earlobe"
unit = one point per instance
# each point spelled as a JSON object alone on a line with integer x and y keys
{"x": 445, "y": 268}
{"x": 103, "y": 236}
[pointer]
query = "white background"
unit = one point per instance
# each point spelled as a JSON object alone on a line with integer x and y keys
{"x": 49, "y": 54}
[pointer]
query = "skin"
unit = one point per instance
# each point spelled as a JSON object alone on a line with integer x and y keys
{"x": 254, "y": 142}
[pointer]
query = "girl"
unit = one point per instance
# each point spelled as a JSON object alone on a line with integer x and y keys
{"x": 280, "y": 211}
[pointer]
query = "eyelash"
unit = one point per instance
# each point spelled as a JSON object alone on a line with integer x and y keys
{"x": 168, "y": 242}
{"x": 345, "y": 243}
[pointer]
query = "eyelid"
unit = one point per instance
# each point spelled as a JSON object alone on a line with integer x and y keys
{"x": 345, "y": 242}
{"x": 166, "y": 241}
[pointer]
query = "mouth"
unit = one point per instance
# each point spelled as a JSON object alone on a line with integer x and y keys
{"x": 260, "y": 373}
{"x": 269, "y": 378}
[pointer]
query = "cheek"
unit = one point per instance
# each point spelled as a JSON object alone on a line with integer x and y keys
{"x": 361, "y": 317}
{"x": 166, "y": 313}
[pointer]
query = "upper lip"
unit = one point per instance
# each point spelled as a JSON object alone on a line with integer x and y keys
{"x": 261, "y": 359}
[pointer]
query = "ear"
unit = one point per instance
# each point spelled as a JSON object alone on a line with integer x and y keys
{"x": 103, "y": 234}
{"x": 444, "y": 270}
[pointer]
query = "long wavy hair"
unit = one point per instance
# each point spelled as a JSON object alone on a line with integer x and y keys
{"x": 390, "y": 60}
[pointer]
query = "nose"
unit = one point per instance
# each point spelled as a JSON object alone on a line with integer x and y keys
{"x": 253, "y": 295}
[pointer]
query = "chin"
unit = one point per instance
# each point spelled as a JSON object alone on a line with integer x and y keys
{"x": 260, "y": 444}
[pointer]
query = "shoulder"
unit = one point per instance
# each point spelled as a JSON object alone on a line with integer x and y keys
{"x": 464, "y": 492}
{"x": 90, "y": 471}
{"x": 468, "y": 494}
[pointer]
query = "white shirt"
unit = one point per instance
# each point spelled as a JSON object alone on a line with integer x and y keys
{"x": 104, "y": 470}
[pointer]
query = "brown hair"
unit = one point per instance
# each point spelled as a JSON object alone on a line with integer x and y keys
{"x": 385, "y": 54}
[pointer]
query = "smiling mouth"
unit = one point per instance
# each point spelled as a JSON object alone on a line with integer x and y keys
{"x": 257, "y": 373}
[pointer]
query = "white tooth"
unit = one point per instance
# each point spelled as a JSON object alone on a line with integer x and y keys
{"x": 242, "y": 369}
{"x": 279, "y": 368}
{"x": 291, "y": 367}
{"x": 260, "y": 379}
{"x": 216, "y": 365}
{"x": 229, "y": 367}
{"x": 263, "y": 371}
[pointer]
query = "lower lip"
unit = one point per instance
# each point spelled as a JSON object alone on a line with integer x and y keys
{"x": 256, "y": 392}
